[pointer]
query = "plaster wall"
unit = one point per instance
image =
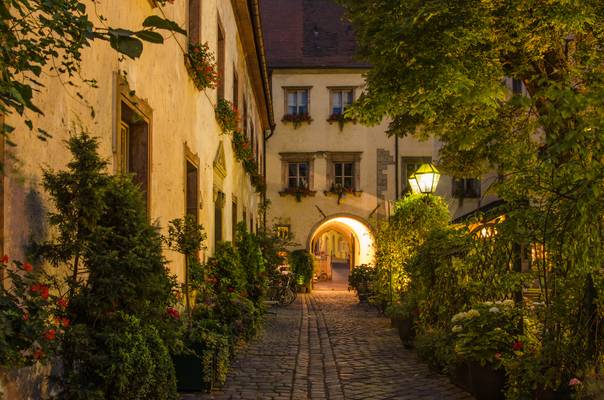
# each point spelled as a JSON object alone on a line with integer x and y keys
{"x": 182, "y": 115}
{"x": 320, "y": 138}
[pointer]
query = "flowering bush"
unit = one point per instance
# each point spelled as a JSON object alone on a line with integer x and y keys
{"x": 31, "y": 319}
{"x": 361, "y": 277}
{"x": 488, "y": 332}
{"x": 296, "y": 119}
{"x": 202, "y": 66}
{"x": 226, "y": 115}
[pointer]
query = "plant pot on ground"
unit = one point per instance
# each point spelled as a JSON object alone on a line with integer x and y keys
{"x": 459, "y": 375}
{"x": 191, "y": 375}
{"x": 486, "y": 381}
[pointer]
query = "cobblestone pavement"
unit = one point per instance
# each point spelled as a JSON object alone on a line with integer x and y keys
{"x": 327, "y": 346}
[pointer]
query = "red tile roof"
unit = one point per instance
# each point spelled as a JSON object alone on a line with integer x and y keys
{"x": 307, "y": 33}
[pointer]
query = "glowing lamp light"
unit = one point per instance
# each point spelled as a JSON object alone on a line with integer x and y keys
{"x": 425, "y": 179}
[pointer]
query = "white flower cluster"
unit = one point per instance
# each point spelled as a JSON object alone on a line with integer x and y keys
{"x": 463, "y": 315}
{"x": 457, "y": 329}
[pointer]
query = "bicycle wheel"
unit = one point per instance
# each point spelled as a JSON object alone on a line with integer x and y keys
{"x": 287, "y": 297}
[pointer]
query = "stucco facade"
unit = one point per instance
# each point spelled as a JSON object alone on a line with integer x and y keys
{"x": 321, "y": 143}
{"x": 182, "y": 129}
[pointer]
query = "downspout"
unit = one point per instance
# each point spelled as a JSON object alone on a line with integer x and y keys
{"x": 396, "y": 168}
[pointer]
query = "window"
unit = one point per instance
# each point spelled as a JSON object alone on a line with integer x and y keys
{"x": 218, "y": 206}
{"x": 194, "y": 21}
{"x": 192, "y": 190}
{"x": 220, "y": 60}
{"x": 340, "y": 100}
{"x": 297, "y": 175}
{"x": 343, "y": 171}
{"x": 235, "y": 89}
{"x": 297, "y": 101}
{"x": 234, "y": 218}
{"x": 466, "y": 188}
{"x": 344, "y": 174}
{"x": 408, "y": 166}
{"x": 283, "y": 231}
{"x": 132, "y": 150}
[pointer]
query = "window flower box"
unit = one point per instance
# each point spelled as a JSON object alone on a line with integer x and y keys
{"x": 201, "y": 64}
{"x": 341, "y": 192}
{"x": 296, "y": 119}
{"x": 226, "y": 115}
{"x": 341, "y": 119}
{"x": 298, "y": 192}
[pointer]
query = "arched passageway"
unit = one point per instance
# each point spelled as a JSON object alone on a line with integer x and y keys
{"x": 338, "y": 243}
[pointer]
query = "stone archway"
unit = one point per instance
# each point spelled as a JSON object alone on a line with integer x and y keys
{"x": 340, "y": 240}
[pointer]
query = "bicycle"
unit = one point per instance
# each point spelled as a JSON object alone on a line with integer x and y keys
{"x": 282, "y": 289}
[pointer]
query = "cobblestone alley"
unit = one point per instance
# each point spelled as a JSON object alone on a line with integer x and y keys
{"x": 327, "y": 346}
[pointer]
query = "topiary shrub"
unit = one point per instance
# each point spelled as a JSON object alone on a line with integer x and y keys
{"x": 122, "y": 359}
{"x": 301, "y": 262}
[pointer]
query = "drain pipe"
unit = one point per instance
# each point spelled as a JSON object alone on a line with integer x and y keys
{"x": 396, "y": 168}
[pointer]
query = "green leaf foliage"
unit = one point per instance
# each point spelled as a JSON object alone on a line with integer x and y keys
{"x": 440, "y": 69}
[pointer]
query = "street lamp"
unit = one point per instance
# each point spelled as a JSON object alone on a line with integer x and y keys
{"x": 425, "y": 179}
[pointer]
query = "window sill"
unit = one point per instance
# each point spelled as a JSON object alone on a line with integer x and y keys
{"x": 296, "y": 119}
{"x": 298, "y": 193}
{"x": 340, "y": 119}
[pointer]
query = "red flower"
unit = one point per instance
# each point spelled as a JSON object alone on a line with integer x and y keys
{"x": 62, "y": 303}
{"x": 517, "y": 345}
{"x": 27, "y": 267}
{"x": 498, "y": 356}
{"x": 35, "y": 288}
{"x": 231, "y": 290}
{"x": 44, "y": 291}
{"x": 25, "y": 316}
{"x": 50, "y": 334}
{"x": 172, "y": 312}
{"x": 5, "y": 259}
{"x": 38, "y": 354}
{"x": 65, "y": 322}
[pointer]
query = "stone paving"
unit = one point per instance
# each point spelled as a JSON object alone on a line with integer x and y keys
{"x": 327, "y": 346}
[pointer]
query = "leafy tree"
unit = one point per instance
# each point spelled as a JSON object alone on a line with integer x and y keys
{"x": 186, "y": 236}
{"x": 119, "y": 309}
{"x": 252, "y": 261}
{"x": 439, "y": 69}
{"x": 37, "y": 34}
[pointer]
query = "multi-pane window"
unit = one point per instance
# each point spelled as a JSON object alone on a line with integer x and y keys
{"x": 466, "y": 188}
{"x": 194, "y": 21}
{"x": 220, "y": 57}
{"x": 297, "y": 101}
{"x": 340, "y": 100}
{"x": 344, "y": 174}
{"x": 132, "y": 153}
{"x": 297, "y": 175}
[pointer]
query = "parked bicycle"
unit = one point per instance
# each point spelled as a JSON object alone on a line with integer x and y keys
{"x": 283, "y": 288}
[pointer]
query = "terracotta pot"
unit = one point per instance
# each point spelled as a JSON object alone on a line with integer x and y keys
{"x": 486, "y": 382}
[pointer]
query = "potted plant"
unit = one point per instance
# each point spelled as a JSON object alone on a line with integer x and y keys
{"x": 201, "y": 65}
{"x": 296, "y": 119}
{"x": 341, "y": 119}
{"x": 361, "y": 279}
{"x": 298, "y": 192}
{"x": 403, "y": 315}
{"x": 484, "y": 336}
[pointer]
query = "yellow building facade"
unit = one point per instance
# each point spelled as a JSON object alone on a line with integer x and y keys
{"x": 153, "y": 122}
